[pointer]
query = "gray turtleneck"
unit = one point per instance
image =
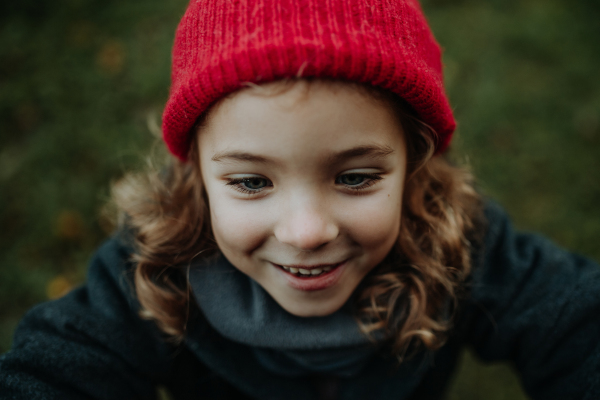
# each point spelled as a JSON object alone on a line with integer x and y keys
{"x": 242, "y": 311}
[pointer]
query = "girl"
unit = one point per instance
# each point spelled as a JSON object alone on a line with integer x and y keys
{"x": 309, "y": 240}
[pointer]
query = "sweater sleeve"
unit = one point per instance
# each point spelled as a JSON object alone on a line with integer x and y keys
{"x": 538, "y": 306}
{"x": 89, "y": 344}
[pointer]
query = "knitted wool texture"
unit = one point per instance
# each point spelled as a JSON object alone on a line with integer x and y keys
{"x": 221, "y": 45}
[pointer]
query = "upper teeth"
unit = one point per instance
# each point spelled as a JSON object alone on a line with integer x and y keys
{"x": 302, "y": 271}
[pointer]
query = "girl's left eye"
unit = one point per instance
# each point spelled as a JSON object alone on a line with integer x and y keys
{"x": 356, "y": 181}
{"x": 249, "y": 185}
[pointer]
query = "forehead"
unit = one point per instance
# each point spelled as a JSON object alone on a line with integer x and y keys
{"x": 291, "y": 118}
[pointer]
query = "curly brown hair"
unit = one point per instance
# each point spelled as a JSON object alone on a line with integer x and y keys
{"x": 410, "y": 298}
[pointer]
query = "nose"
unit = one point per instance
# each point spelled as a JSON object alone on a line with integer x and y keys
{"x": 306, "y": 225}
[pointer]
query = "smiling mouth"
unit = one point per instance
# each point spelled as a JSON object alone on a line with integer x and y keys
{"x": 309, "y": 272}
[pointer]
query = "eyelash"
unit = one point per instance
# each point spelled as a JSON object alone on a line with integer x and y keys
{"x": 237, "y": 185}
{"x": 371, "y": 179}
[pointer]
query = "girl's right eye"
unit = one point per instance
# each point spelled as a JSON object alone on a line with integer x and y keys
{"x": 249, "y": 185}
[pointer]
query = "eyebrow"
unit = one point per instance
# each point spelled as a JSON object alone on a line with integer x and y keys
{"x": 373, "y": 151}
{"x": 239, "y": 156}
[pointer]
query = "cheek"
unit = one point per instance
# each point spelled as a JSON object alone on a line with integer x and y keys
{"x": 237, "y": 227}
{"x": 377, "y": 224}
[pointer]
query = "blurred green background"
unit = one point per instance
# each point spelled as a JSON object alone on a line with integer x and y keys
{"x": 83, "y": 83}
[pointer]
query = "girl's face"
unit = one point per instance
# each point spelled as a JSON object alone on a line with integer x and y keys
{"x": 305, "y": 189}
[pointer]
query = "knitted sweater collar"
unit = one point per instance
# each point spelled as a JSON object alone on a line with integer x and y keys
{"x": 241, "y": 310}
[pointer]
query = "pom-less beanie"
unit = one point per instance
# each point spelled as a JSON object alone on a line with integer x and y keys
{"x": 221, "y": 45}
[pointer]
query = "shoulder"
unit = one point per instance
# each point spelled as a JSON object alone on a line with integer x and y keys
{"x": 104, "y": 307}
{"x": 535, "y": 304}
{"x": 90, "y": 341}
{"x": 110, "y": 275}
{"x": 508, "y": 256}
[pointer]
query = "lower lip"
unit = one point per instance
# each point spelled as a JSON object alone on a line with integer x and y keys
{"x": 310, "y": 283}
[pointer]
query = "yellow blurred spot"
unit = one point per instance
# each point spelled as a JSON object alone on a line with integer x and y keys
{"x": 111, "y": 57}
{"x": 27, "y": 116}
{"x": 587, "y": 124}
{"x": 503, "y": 138}
{"x": 58, "y": 287}
{"x": 69, "y": 225}
{"x": 80, "y": 34}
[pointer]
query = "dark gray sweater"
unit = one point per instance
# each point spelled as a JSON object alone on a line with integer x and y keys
{"x": 529, "y": 302}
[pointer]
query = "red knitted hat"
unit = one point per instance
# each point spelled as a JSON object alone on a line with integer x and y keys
{"x": 222, "y": 44}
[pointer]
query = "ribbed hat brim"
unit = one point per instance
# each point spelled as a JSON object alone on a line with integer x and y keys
{"x": 222, "y": 45}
